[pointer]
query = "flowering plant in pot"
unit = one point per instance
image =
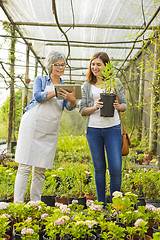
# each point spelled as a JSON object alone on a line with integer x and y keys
{"x": 27, "y": 229}
{"x": 113, "y": 231}
{"x": 4, "y": 225}
{"x": 151, "y": 185}
{"x": 108, "y": 97}
{"x": 138, "y": 231}
{"x": 57, "y": 223}
{"x": 122, "y": 204}
{"x": 150, "y": 214}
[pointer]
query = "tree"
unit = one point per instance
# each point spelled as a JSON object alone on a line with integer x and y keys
{"x": 4, "y": 111}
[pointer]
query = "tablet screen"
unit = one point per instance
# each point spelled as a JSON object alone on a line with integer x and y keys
{"x": 69, "y": 88}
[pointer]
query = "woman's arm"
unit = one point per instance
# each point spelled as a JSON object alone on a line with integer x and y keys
{"x": 39, "y": 94}
{"x": 121, "y": 103}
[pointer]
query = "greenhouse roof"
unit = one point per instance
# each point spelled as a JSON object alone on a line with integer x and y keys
{"x": 79, "y": 28}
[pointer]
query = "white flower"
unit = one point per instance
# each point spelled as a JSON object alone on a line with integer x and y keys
{"x": 58, "y": 204}
{"x": 28, "y": 231}
{"x": 137, "y": 223}
{"x": 89, "y": 202}
{"x": 117, "y": 194}
{"x": 74, "y": 201}
{"x": 33, "y": 204}
{"x": 3, "y": 205}
{"x": 79, "y": 223}
{"x": 90, "y": 224}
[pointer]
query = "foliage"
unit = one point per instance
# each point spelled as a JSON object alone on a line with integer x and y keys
{"x": 7, "y": 178}
{"x": 28, "y": 229}
{"x": 72, "y": 123}
{"x": 109, "y": 81}
{"x": 4, "y": 224}
{"x": 113, "y": 231}
{"x": 72, "y": 149}
{"x": 4, "y": 113}
{"x": 151, "y": 184}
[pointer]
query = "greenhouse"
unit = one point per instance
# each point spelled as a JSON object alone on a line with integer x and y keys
{"x": 95, "y": 48}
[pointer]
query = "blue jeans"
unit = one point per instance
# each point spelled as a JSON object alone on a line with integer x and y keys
{"x": 110, "y": 139}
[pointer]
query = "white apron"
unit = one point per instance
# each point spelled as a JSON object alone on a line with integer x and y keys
{"x": 38, "y": 133}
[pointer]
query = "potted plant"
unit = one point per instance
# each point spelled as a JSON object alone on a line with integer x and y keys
{"x": 113, "y": 231}
{"x": 49, "y": 189}
{"x": 4, "y": 225}
{"x": 27, "y": 229}
{"x": 108, "y": 97}
{"x": 138, "y": 231}
{"x": 151, "y": 187}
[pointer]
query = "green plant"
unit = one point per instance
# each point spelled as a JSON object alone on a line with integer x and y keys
{"x": 7, "y": 179}
{"x": 140, "y": 228}
{"x": 109, "y": 81}
{"x": 28, "y": 229}
{"x": 122, "y": 204}
{"x": 156, "y": 236}
{"x": 4, "y": 224}
{"x": 140, "y": 157}
{"x": 151, "y": 184}
{"x": 50, "y": 184}
{"x": 113, "y": 231}
{"x": 149, "y": 213}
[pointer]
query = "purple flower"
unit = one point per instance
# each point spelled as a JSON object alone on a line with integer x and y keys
{"x": 43, "y": 216}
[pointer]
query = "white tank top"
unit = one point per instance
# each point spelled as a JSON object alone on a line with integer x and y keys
{"x": 95, "y": 120}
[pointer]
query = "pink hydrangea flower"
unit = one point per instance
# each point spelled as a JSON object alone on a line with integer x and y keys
{"x": 150, "y": 207}
{"x": 137, "y": 223}
{"x": 74, "y": 201}
{"x": 58, "y": 204}
{"x": 96, "y": 207}
{"x": 6, "y": 215}
{"x": 59, "y": 221}
{"x": 28, "y": 231}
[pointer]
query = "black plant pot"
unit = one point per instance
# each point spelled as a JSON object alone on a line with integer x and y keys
{"x": 154, "y": 202}
{"x": 141, "y": 202}
{"x": 18, "y": 236}
{"x": 49, "y": 200}
{"x": 81, "y": 201}
{"x": 108, "y": 100}
{"x": 155, "y": 229}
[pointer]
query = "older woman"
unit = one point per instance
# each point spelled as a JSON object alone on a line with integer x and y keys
{"x": 39, "y": 129}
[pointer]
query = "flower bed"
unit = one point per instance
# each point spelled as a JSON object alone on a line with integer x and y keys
{"x": 74, "y": 222}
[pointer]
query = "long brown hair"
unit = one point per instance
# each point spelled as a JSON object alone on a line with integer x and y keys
{"x": 104, "y": 58}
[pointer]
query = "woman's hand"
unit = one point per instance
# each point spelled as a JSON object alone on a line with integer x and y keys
{"x": 119, "y": 107}
{"x": 70, "y": 96}
{"x": 99, "y": 104}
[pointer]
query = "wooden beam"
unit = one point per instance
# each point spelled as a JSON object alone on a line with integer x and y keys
{"x": 89, "y": 46}
{"x": 19, "y": 32}
{"x": 67, "y": 25}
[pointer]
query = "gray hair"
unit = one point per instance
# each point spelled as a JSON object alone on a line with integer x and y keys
{"x": 51, "y": 58}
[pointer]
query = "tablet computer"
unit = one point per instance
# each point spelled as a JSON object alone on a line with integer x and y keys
{"x": 69, "y": 88}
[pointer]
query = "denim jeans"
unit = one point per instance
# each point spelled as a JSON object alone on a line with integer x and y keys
{"x": 100, "y": 139}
